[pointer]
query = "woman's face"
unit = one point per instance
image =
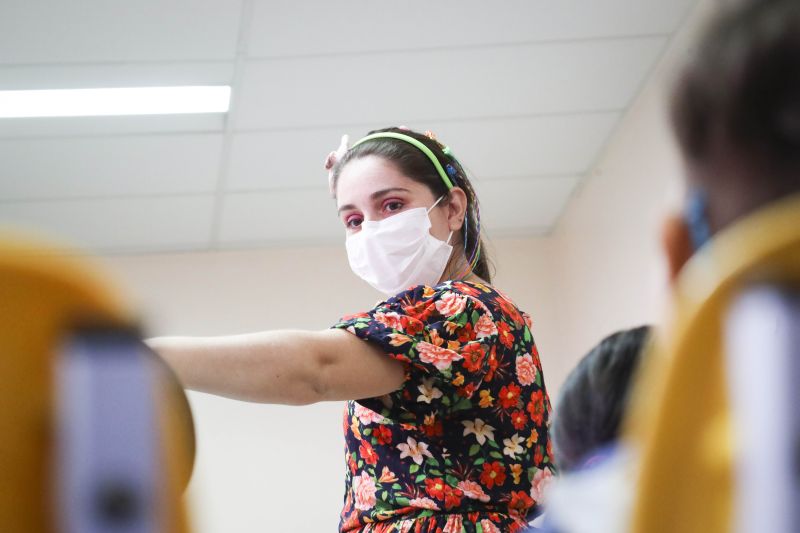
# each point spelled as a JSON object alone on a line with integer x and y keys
{"x": 372, "y": 188}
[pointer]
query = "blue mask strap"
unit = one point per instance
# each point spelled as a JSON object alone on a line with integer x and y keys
{"x": 695, "y": 217}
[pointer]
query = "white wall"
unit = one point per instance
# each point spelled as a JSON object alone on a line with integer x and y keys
{"x": 607, "y": 257}
{"x": 607, "y": 261}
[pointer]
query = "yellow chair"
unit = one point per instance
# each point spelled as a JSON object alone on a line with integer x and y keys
{"x": 683, "y": 421}
{"x": 46, "y": 299}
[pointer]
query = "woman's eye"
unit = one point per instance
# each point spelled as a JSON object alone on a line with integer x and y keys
{"x": 353, "y": 222}
{"x": 393, "y": 206}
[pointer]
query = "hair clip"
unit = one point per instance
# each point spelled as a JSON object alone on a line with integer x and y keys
{"x": 430, "y": 135}
{"x": 451, "y": 170}
{"x": 335, "y": 157}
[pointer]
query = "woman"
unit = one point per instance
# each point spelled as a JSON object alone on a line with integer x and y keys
{"x": 449, "y": 430}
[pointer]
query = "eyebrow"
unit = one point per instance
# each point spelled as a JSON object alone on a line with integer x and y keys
{"x": 374, "y": 196}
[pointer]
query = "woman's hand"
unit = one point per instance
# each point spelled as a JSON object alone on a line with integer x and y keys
{"x": 285, "y": 367}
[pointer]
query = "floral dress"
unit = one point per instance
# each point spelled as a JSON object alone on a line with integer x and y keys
{"x": 463, "y": 445}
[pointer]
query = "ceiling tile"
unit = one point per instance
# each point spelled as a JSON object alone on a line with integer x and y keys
{"x": 450, "y": 84}
{"x": 281, "y": 217}
{"x": 525, "y": 146}
{"x": 523, "y": 206}
{"x": 526, "y": 92}
{"x": 123, "y": 75}
{"x": 288, "y": 28}
{"x": 100, "y": 126}
{"x": 117, "y": 224}
{"x": 281, "y": 159}
{"x": 100, "y": 31}
{"x": 109, "y": 166}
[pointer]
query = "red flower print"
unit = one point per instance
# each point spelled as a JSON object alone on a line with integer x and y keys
{"x": 526, "y": 370}
{"x": 489, "y": 527}
{"x": 351, "y": 463}
{"x": 421, "y": 310}
{"x": 434, "y": 337}
{"x": 473, "y": 356}
{"x": 519, "y": 419}
{"x": 383, "y": 434}
{"x": 493, "y": 474}
{"x": 432, "y": 427}
{"x": 466, "y": 289}
{"x": 351, "y": 522}
{"x": 473, "y": 490}
{"x": 540, "y": 482}
{"x": 422, "y": 503}
{"x": 387, "y": 476}
{"x": 435, "y": 488}
{"x": 520, "y": 503}
{"x": 365, "y": 415}
{"x": 467, "y": 391}
{"x": 450, "y": 304}
{"x": 528, "y": 321}
{"x": 364, "y": 489}
{"x": 506, "y": 337}
{"x": 533, "y": 438}
{"x": 536, "y": 407}
{"x": 466, "y": 333}
{"x": 538, "y": 455}
{"x": 453, "y": 524}
{"x": 510, "y": 311}
{"x": 367, "y": 453}
{"x": 348, "y": 318}
{"x": 391, "y": 320}
{"x": 439, "y": 357}
{"x": 452, "y": 497}
{"x": 485, "y": 327}
{"x": 411, "y": 325}
{"x": 509, "y": 396}
{"x": 493, "y": 364}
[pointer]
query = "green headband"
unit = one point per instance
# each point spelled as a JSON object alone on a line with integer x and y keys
{"x": 415, "y": 142}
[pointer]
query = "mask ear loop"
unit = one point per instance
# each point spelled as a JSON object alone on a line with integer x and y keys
{"x": 436, "y": 203}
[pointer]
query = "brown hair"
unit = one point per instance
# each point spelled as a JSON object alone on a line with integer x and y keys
{"x": 742, "y": 88}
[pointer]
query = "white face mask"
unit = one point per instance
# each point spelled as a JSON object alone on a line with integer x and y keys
{"x": 398, "y": 252}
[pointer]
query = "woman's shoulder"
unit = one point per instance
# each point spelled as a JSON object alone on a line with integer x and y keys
{"x": 449, "y": 300}
{"x": 476, "y": 293}
{"x": 453, "y": 293}
{"x": 471, "y": 289}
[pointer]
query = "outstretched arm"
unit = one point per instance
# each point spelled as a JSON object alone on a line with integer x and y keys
{"x": 286, "y": 367}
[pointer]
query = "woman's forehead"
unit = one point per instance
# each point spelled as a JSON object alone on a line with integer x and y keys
{"x": 361, "y": 178}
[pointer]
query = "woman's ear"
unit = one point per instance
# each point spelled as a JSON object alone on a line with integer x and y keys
{"x": 456, "y": 208}
{"x": 677, "y": 244}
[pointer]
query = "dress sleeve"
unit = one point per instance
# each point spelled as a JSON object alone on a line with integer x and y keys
{"x": 445, "y": 339}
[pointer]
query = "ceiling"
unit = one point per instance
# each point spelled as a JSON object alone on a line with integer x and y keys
{"x": 525, "y": 92}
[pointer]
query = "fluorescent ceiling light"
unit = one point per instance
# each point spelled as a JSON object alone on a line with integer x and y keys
{"x": 118, "y": 101}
